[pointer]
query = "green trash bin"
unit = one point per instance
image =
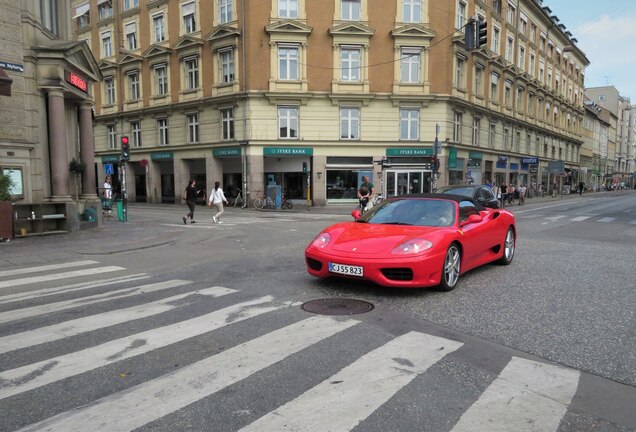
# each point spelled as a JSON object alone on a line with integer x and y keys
{"x": 120, "y": 209}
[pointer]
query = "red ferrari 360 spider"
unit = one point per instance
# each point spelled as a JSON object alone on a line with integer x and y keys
{"x": 414, "y": 241}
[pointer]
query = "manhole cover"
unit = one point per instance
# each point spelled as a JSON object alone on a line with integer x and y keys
{"x": 337, "y": 306}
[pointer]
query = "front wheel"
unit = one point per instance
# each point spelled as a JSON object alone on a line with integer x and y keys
{"x": 288, "y": 204}
{"x": 508, "y": 247}
{"x": 451, "y": 269}
{"x": 259, "y": 203}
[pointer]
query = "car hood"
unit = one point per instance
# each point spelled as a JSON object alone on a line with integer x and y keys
{"x": 365, "y": 238}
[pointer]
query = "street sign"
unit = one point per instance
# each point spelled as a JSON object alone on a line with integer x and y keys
{"x": 108, "y": 168}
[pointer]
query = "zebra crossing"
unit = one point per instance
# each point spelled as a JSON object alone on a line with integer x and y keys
{"x": 526, "y": 395}
{"x": 552, "y": 218}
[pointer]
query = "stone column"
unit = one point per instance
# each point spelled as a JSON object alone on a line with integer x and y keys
{"x": 58, "y": 147}
{"x": 87, "y": 151}
{"x": 181, "y": 178}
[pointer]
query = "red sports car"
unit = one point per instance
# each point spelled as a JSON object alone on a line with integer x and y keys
{"x": 414, "y": 241}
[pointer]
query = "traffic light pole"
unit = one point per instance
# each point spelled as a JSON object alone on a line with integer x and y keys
{"x": 124, "y": 194}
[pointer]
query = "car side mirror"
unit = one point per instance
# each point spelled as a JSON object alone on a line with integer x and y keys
{"x": 356, "y": 214}
{"x": 473, "y": 218}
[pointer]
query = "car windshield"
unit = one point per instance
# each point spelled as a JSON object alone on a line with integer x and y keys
{"x": 418, "y": 212}
{"x": 458, "y": 191}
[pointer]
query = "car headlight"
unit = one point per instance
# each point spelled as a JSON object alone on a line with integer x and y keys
{"x": 412, "y": 247}
{"x": 321, "y": 240}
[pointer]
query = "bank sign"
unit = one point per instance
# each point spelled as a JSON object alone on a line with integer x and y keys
{"x": 227, "y": 152}
{"x": 288, "y": 151}
{"x": 407, "y": 151}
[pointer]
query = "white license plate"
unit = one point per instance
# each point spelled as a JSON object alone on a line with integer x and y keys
{"x": 346, "y": 269}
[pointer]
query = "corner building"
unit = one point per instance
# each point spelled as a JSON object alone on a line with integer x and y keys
{"x": 308, "y": 94}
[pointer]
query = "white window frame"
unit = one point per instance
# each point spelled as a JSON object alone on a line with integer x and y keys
{"x": 288, "y": 9}
{"x": 105, "y": 9}
{"x": 479, "y": 80}
{"x": 492, "y": 135}
{"x": 159, "y": 27}
{"x": 192, "y": 121}
{"x": 510, "y": 43}
{"x": 349, "y": 123}
{"x": 462, "y": 9}
{"x": 188, "y": 16}
{"x": 227, "y": 123}
{"x": 496, "y": 34}
{"x": 288, "y": 62}
{"x": 457, "y": 126}
{"x": 109, "y": 91}
{"x": 350, "y": 10}
{"x": 412, "y": 11}
{"x": 161, "y": 79}
{"x": 131, "y": 35}
{"x": 134, "y": 85}
{"x": 111, "y": 136}
{"x": 409, "y": 124}
{"x": 350, "y": 63}
{"x": 107, "y": 44}
{"x": 227, "y": 66}
{"x": 135, "y": 129}
{"x": 460, "y": 72}
{"x": 131, "y": 4}
{"x": 410, "y": 65}
{"x": 288, "y": 117}
{"x": 476, "y": 127}
{"x": 162, "y": 130}
{"x": 225, "y": 11}
{"x": 191, "y": 72}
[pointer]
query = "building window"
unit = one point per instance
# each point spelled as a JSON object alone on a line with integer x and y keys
{"x": 506, "y": 138}
{"x": 518, "y": 142}
{"x": 461, "y": 14}
{"x": 531, "y": 64}
{"x": 288, "y": 8}
{"x": 479, "y": 80}
{"x": 495, "y": 39}
{"x": 135, "y": 128}
{"x": 412, "y": 11}
{"x": 350, "y": 63}
{"x": 288, "y": 63}
{"x": 511, "y": 13}
{"x": 111, "y": 136}
{"x": 492, "y": 135}
{"x": 527, "y": 143}
{"x": 226, "y": 63}
{"x": 49, "y": 13}
{"x": 349, "y": 123}
{"x": 193, "y": 127}
{"x": 351, "y": 10}
{"x": 496, "y": 6}
{"x": 523, "y": 25}
{"x": 158, "y": 24}
{"x": 459, "y": 73}
{"x": 82, "y": 15}
{"x": 409, "y": 124}
{"x": 475, "y": 136}
{"x": 162, "y": 128}
{"x": 227, "y": 124}
{"x": 519, "y": 99}
{"x": 225, "y": 11}
{"x": 191, "y": 68}
{"x": 507, "y": 94}
{"x": 131, "y": 35}
{"x": 107, "y": 44}
{"x": 130, "y": 4}
{"x": 288, "y": 122}
{"x": 457, "y": 127}
{"x": 410, "y": 65}
{"x": 189, "y": 23}
{"x": 509, "y": 44}
{"x": 109, "y": 91}
{"x": 494, "y": 87}
{"x": 522, "y": 58}
{"x": 105, "y": 9}
{"x": 161, "y": 79}
{"x": 133, "y": 85}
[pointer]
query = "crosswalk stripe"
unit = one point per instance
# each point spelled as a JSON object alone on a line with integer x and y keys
{"x": 606, "y": 219}
{"x": 32, "y": 311}
{"x": 57, "y": 276}
{"x": 580, "y": 218}
{"x": 46, "y": 268}
{"x": 21, "y": 296}
{"x": 98, "y": 321}
{"x": 366, "y": 384}
{"x": 527, "y": 396}
{"x": 144, "y": 403}
{"x": 35, "y": 375}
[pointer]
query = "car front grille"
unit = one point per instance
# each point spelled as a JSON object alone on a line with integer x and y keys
{"x": 314, "y": 264}
{"x": 398, "y": 274}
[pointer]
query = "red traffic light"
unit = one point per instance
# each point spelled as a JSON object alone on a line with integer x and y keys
{"x": 124, "y": 140}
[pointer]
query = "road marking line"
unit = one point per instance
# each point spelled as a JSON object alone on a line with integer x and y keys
{"x": 526, "y": 396}
{"x": 98, "y": 321}
{"x": 57, "y": 276}
{"x": 556, "y": 217}
{"x": 147, "y": 402}
{"x": 580, "y": 218}
{"x": 10, "y": 298}
{"x": 606, "y": 219}
{"x": 342, "y": 401}
{"x": 45, "y": 372}
{"x": 46, "y": 268}
{"x": 32, "y": 311}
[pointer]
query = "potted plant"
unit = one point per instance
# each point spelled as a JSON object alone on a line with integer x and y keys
{"x": 6, "y": 207}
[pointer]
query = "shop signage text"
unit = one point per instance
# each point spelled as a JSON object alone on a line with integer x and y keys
{"x": 530, "y": 160}
{"x": 110, "y": 158}
{"x": 288, "y": 151}
{"x": 162, "y": 156}
{"x": 14, "y": 67}
{"x": 76, "y": 81}
{"x": 226, "y": 152}
{"x": 409, "y": 152}
{"x": 452, "y": 157}
{"x": 475, "y": 155}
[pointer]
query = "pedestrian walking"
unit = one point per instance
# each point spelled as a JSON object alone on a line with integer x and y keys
{"x": 581, "y": 187}
{"x": 503, "y": 190}
{"x": 107, "y": 197}
{"x": 555, "y": 189}
{"x": 522, "y": 194}
{"x": 217, "y": 198}
{"x": 190, "y": 194}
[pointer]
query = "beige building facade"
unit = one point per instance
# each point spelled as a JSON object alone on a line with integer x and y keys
{"x": 309, "y": 96}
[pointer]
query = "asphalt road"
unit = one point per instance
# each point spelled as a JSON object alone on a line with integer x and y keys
{"x": 564, "y": 308}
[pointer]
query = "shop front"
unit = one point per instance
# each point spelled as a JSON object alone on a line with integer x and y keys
{"x": 344, "y": 177}
{"x": 162, "y": 166}
{"x": 289, "y": 168}
{"x": 231, "y": 166}
{"x": 408, "y": 171}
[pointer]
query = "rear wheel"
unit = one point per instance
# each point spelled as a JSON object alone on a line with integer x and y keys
{"x": 259, "y": 203}
{"x": 508, "y": 247}
{"x": 451, "y": 269}
{"x": 288, "y": 204}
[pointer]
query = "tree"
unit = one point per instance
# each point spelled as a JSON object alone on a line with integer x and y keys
{"x": 6, "y": 184}
{"x": 77, "y": 168}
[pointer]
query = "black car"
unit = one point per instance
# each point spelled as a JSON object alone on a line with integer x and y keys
{"x": 481, "y": 193}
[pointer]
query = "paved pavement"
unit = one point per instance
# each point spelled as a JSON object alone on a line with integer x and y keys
{"x": 139, "y": 233}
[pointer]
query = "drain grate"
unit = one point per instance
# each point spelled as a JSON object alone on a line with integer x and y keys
{"x": 337, "y": 306}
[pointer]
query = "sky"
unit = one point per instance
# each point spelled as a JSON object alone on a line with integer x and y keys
{"x": 606, "y": 33}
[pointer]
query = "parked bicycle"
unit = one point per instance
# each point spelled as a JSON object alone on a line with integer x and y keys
{"x": 264, "y": 202}
{"x": 235, "y": 198}
{"x": 285, "y": 203}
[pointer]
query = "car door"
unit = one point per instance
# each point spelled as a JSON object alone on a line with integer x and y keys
{"x": 476, "y": 236}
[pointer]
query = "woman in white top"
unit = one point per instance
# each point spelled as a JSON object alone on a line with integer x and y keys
{"x": 217, "y": 198}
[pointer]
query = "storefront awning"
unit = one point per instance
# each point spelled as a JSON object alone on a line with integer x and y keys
{"x": 5, "y": 83}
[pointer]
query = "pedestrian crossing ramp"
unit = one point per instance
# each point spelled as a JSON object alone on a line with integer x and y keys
{"x": 118, "y": 383}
